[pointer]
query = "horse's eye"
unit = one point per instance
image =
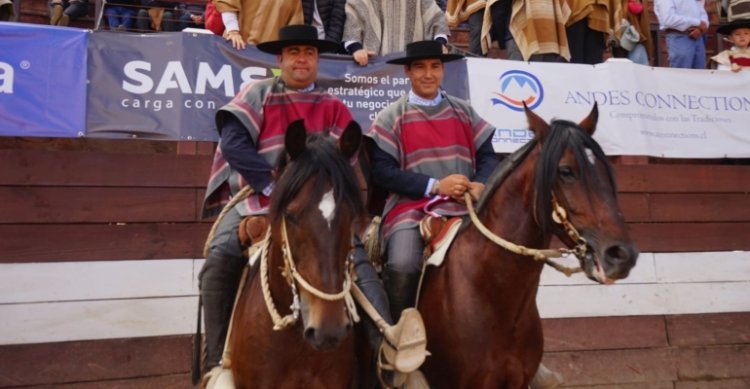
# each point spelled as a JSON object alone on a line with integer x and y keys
{"x": 566, "y": 173}
{"x": 291, "y": 218}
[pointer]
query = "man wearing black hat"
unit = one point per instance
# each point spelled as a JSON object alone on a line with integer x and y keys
{"x": 415, "y": 131}
{"x": 246, "y": 152}
{"x": 411, "y": 132}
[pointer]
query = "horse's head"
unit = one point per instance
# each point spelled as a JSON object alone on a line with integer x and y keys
{"x": 315, "y": 209}
{"x": 572, "y": 171}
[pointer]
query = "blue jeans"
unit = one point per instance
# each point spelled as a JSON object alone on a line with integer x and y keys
{"x": 638, "y": 54}
{"x": 686, "y": 52}
{"x": 118, "y": 15}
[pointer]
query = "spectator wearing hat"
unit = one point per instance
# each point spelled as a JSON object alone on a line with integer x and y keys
{"x": 684, "y": 22}
{"x": 61, "y": 12}
{"x": 738, "y": 56}
{"x": 380, "y": 27}
{"x": 245, "y": 156}
{"x": 254, "y": 21}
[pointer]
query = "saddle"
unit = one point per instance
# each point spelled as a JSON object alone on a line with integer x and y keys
{"x": 252, "y": 229}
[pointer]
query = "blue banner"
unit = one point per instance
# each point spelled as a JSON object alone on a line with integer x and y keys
{"x": 42, "y": 80}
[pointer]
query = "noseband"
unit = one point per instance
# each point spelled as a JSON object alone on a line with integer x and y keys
{"x": 291, "y": 274}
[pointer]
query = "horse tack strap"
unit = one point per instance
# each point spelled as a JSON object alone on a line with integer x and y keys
{"x": 537, "y": 254}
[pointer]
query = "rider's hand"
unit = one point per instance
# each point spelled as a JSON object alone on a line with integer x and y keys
{"x": 453, "y": 185}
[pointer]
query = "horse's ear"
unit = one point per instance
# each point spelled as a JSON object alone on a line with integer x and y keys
{"x": 589, "y": 123}
{"x": 537, "y": 125}
{"x": 350, "y": 140}
{"x": 295, "y": 138}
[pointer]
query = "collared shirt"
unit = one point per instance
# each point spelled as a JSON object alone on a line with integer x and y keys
{"x": 679, "y": 14}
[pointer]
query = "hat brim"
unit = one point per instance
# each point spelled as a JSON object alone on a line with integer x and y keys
{"x": 408, "y": 60}
{"x": 728, "y": 28}
{"x": 275, "y": 47}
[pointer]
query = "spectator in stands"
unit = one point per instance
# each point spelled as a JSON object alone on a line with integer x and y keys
{"x": 471, "y": 11}
{"x": 738, "y": 56}
{"x": 327, "y": 16}
{"x": 121, "y": 14}
{"x": 380, "y": 27}
{"x": 684, "y": 22}
{"x": 157, "y": 15}
{"x": 537, "y": 30}
{"x": 61, "y": 12}
{"x": 6, "y": 11}
{"x": 191, "y": 15}
{"x": 636, "y": 18}
{"x": 590, "y": 22}
{"x": 253, "y": 21}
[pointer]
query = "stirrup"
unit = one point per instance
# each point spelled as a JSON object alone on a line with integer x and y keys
{"x": 404, "y": 346}
{"x": 545, "y": 378}
{"x": 218, "y": 378}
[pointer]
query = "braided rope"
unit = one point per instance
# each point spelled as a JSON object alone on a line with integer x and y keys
{"x": 537, "y": 254}
{"x": 241, "y": 195}
{"x": 279, "y": 322}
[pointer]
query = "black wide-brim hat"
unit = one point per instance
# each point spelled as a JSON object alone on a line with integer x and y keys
{"x": 733, "y": 25}
{"x": 298, "y": 34}
{"x": 424, "y": 50}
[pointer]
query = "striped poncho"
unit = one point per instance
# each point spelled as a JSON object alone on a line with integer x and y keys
{"x": 432, "y": 140}
{"x": 387, "y": 26}
{"x": 266, "y": 108}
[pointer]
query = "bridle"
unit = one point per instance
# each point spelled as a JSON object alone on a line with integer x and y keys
{"x": 294, "y": 278}
{"x": 559, "y": 215}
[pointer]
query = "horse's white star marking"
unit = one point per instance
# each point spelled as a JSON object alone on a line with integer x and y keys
{"x": 327, "y": 206}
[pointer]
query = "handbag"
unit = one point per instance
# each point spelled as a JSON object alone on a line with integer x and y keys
{"x": 213, "y": 19}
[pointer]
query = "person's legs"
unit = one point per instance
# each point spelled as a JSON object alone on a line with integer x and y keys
{"x": 699, "y": 56}
{"x": 112, "y": 15}
{"x": 403, "y": 269}
{"x": 576, "y": 33}
{"x": 142, "y": 20}
{"x": 128, "y": 17}
{"x": 219, "y": 280}
{"x": 593, "y": 46}
{"x": 680, "y": 50}
{"x": 638, "y": 54}
{"x": 56, "y": 8}
{"x": 169, "y": 23}
{"x": 475, "y": 32}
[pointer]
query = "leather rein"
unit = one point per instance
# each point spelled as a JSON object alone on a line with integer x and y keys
{"x": 294, "y": 278}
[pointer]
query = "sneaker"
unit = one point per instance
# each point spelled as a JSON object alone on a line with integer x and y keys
{"x": 55, "y": 14}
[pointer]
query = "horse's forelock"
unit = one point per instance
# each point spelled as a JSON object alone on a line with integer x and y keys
{"x": 565, "y": 135}
{"x": 322, "y": 160}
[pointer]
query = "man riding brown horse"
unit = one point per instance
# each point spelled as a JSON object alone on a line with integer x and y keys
{"x": 251, "y": 127}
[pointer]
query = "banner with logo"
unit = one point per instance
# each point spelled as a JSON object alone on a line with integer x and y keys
{"x": 170, "y": 85}
{"x": 42, "y": 80}
{"x": 660, "y": 112}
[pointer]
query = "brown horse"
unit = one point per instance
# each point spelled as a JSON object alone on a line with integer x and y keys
{"x": 479, "y": 308}
{"x": 314, "y": 210}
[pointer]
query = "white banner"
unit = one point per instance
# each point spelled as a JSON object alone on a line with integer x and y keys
{"x": 660, "y": 112}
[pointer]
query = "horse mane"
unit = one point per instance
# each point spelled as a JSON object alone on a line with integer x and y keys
{"x": 562, "y": 135}
{"x": 321, "y": 159}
